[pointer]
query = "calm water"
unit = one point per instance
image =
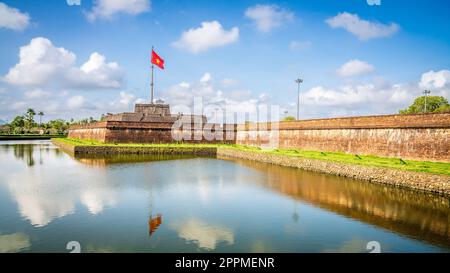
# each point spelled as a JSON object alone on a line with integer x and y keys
{"x": 182, "y": 204}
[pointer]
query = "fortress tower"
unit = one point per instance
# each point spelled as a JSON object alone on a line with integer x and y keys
{"x": 154, "y": 112}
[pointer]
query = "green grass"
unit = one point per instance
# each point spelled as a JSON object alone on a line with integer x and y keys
{"x": 365, "y": 160}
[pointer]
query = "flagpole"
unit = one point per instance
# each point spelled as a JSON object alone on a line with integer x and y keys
{"x": 151, "y": 84}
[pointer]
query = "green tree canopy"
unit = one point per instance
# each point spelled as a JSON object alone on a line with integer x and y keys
{"x": 29, "y": 118}
{"x": 433, "y": 104}
{"x": 40, "y": 114}
{"x": 26, "y": 124}
{"x": 443, "y": 108}
{"x": 59, "y": 125}
{"x": 30, "y": 113}
{"x": 289, "y": 118}
{"x": 18, "y": 121}
{"x": 17, "y": 124}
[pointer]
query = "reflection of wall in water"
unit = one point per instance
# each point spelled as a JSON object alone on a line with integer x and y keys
{"x": 104, "y": 160}
{"x": 405, "y": 211}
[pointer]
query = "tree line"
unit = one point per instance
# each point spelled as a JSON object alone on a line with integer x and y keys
{"x": 427, "y": 104}
{"x": 26, "y": 124}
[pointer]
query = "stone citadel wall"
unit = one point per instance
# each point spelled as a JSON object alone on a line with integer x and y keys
{"x": 416, "y": 137}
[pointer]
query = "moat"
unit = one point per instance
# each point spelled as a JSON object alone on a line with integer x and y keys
{"x": 144, "y": 203}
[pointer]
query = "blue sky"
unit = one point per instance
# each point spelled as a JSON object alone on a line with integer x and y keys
{"x": 355, "y": 58}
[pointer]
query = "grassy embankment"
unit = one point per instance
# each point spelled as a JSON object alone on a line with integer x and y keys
{"x": 365, "y": 160}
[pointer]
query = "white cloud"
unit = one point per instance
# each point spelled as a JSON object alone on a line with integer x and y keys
{"x": 42, "y": 64}
{"x": 346, "y": 95}
{"x": 39, "y": 62}
{"x": 435, "y": 80}
{"x": 299, "y": 45}
{"x": 370, "y": 98}
{"x": 184, "y": 85}
{"x": 12, "y": 18}
{"x": 36, "y": 94}
{"x": 57, "y": 103}
{"x": 268, "y": 17}
{"x": 108, "y": 8}
{"x": 209, "y": 35}
{"x": 140, "y": 100}
{"x": 76, "y": 102}
{"x": 63, "y": 93}
{"x": 96, "y": 72}
{"x": 18, "y": 105}
{"x": 182, "y": 96}
{"x": 206, "y": 78}
{"x": 124, "y": 102}
{"x": 361, "y": 99}
{"x": 363, "y": 29}
{"x": 355, "y": 68}
{"x": 229, "y": 82}
{"x": 126, "y": 98}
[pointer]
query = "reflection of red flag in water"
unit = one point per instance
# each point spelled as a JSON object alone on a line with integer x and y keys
{"x": 157, "y": 60}
{"x": 154, "y": 223}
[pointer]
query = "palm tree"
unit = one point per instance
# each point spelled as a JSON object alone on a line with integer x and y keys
{"x": 29, "y": 117}
{"x": 40, "y": 114}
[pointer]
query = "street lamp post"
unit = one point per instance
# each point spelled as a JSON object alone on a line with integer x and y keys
{"x": 426, "y": 93}
{"x": 216, "y": 117}
{"x": 298, "y": 81}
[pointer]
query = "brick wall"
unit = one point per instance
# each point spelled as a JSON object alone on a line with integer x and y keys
{"x": 152, "y": 132}
{"x": 88, "y": 133}
{"x": 419, "y": 137}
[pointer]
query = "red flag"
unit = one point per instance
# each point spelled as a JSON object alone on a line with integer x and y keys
{"x": 157, "y": 60}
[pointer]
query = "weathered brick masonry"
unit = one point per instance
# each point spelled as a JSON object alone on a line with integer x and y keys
{"x": 153, "y": 132}
{"x": 418, "y": 137}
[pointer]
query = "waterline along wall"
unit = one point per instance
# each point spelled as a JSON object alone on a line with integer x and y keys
{"x": 423, "y": 137}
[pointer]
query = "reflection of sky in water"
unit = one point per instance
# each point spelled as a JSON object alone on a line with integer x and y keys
{"x": 51, "y": 189}
{"x": 48, "y": 198}
{"x": 203, "y": 234}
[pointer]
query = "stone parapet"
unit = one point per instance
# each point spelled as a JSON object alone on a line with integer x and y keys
{"x": 431, "y": 120}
